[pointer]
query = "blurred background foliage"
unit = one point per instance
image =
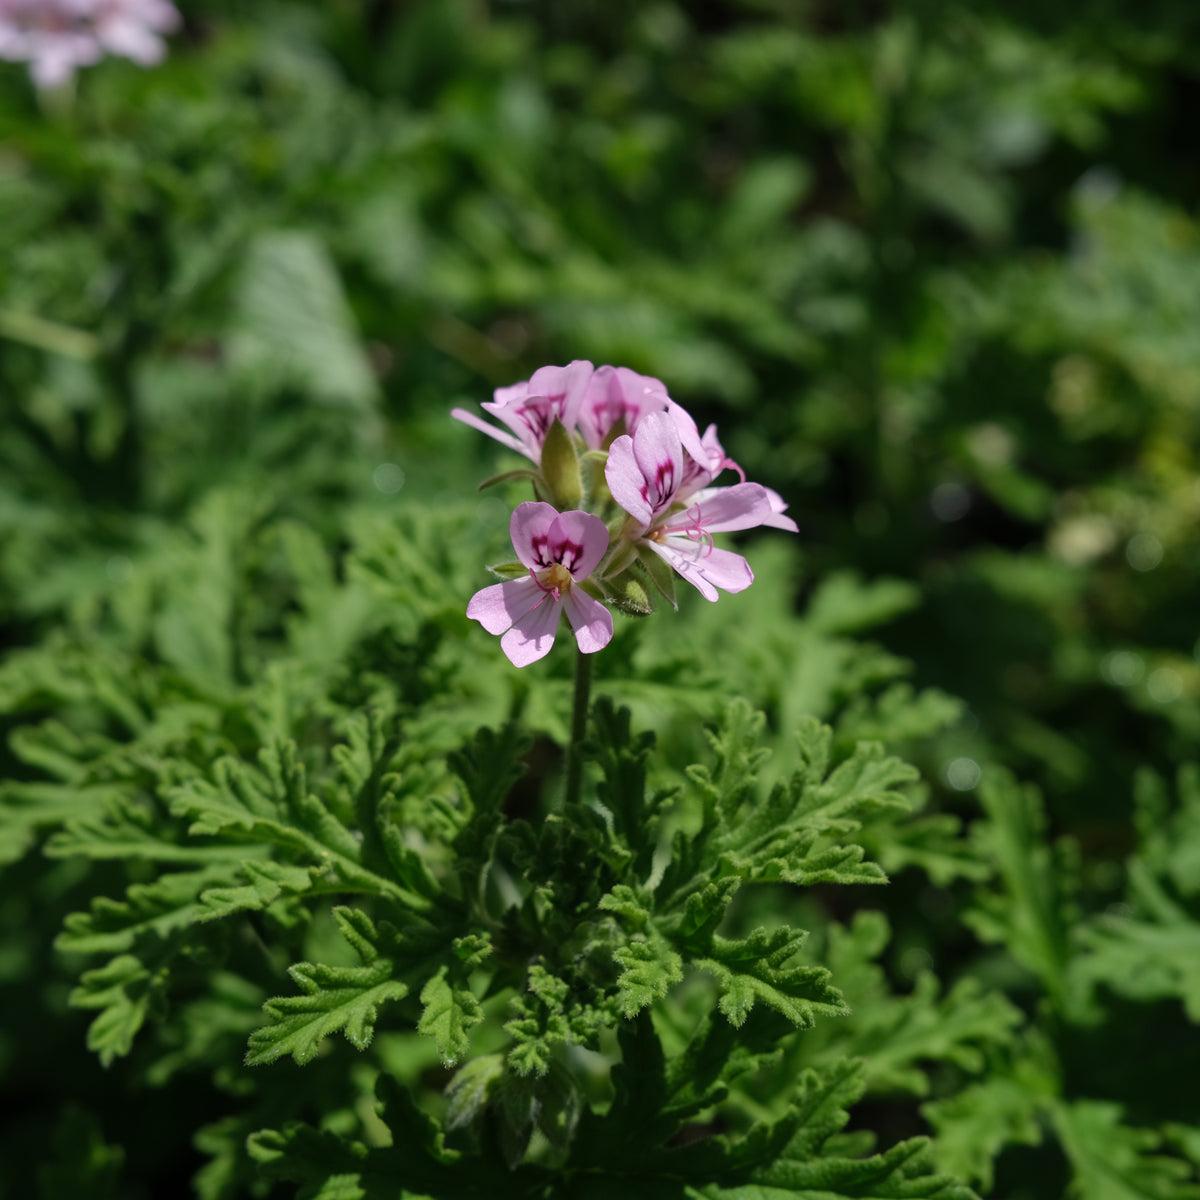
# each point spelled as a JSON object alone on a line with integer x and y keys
{"x": 932, "y": 268}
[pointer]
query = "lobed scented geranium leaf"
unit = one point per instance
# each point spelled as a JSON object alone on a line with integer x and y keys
{"x": 546, "y": 1016}
{"x": 159, "y": 910}
{"x": 933, "y": 844}
{"x": 844, "y": 604}
{"x": 1027, "y": 914}
{"x": 755, "y": 969}
{"x": 649, "y": 968}
{"x": 273, "y": 806}
{"x": 798, "y": 833}
{"x": 450, "y": 1011}
{"x": 489, "y": 765}
{"x": 1169, "y": 835}
{"x": 123, "y": 828}
{"x": 266, "y": 882}
{"x": 905, "y": 1172}
{"x": 898, "y": 714}
{"x": 895, "y": 1034}
{"x": 28, "y": 806}
{"x": 621, "y": 756}
{"x": 335, "y": 998}
{"x": 1006, "y": 1108}
{"x": 1114, "y": 1161}
{"x": 123, "y": 990}
{"x": 922, "y": 1027}
{"x": 1153, "y": 953}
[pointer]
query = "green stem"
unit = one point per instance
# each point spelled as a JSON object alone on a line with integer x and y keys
{"x": 583, "y": 682}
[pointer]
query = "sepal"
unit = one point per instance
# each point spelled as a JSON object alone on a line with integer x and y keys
{"x": 560, "y": 468}
{"x": 629, "y": 595}
{"x": 508, "y": 476}
{"x": 660, "y": 574}
{"x": 509, "y": 570}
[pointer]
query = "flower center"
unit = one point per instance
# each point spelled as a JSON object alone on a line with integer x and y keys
{"x": 555, "y": 578}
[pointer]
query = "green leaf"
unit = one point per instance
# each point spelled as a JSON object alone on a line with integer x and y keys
{"x": 335, "y": 998}
{"x": 1027, "y": 914}
{"x": 1115, "y": 1161}
{"x": 293, "y": 326}
{"x": 895, "y": 1034}
{"x": 649, "y": 969}
{"x": 798, "y": 833}
{"x": 159, "y": 910}
{"x": 267, "y": 881}
{"x": 754, "y": 969}
{"x": 844, "y": 604}
{"x": 1153, "y": 954}
{"x": 449, "y": 1012}
{"x": 1004, "y": 1109}
{"x": 123, "y": 990}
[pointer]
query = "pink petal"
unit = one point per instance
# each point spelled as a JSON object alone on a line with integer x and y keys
{"x": 659, "y": 456}
{"x": 705, "y": 567}
{"x": 529, "y": 528}
{"x": 533, "y": 635}
{"x": 578, "y": 540}
{"x": 626, "y": 481}
{"x": 615, "y": 393}
{"x": 566, "y": 385}
{"x": 592, "y": 622}
{"x": 496, "y": 608}
{"x": 720, "y": 510}
{"x": 512, "y": 394}
{"x": 689, "y": 434}
{"x": 501, "y": 435}
{"x": 778, "y": 507}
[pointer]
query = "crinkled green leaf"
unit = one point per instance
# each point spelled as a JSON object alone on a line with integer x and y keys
{"x": 449, "y": 1013}
{"x": 345, "y": 999}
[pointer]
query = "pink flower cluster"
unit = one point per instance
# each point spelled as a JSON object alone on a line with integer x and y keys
{"x": 614, "y": 441}
{"x": 57, "y": 36}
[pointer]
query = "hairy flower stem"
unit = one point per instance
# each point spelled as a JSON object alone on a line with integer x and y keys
{"x": 583, "y": 683}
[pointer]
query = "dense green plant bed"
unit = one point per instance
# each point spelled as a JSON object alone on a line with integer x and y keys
{"x": 323, "y": 873}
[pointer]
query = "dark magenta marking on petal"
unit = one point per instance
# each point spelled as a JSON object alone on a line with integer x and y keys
{"x": 568, "y": 553}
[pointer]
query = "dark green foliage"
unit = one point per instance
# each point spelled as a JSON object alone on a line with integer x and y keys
{"x": 269, "y": 798}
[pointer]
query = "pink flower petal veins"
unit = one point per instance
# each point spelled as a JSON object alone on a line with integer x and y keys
{"x": 529, "y": 528}
{"x": 531, "y": 407}
{"x": 614, "y": 394}
{"x": 579, "y": 541}
{"x": 626, "y": 481}
{"x": 559, "y": 549}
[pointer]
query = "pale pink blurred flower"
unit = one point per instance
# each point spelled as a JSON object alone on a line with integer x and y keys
{"x": 560, "y": 550}
{"x": 658, "y": 480}
{"x": 56, "y": 37}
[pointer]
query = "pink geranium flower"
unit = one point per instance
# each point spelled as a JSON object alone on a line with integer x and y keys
{"x": 560, "y": 550}
{"x": 528, "y": 409}
{"x": 660, "y": 484}
{"x": 616, "y": 394}
{"x": 57, "y": 36}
